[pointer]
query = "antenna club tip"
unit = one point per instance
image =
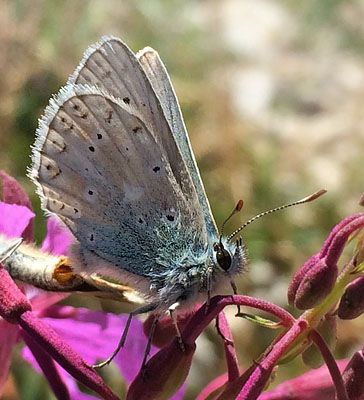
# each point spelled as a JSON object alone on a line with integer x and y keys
{"x": 314, "y": 196}
{"x": 239, "y": 206}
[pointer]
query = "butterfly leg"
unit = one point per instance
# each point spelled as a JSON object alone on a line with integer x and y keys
{"x": 240, "y": 250}
{"x": 235, "y": 291}
{"x": 141, "y": 310}
{"x": 209, "y": 285}
{"x": 9, "y": 248}
{"x": 172, "y": 312}
{"x": 149, "y": 343}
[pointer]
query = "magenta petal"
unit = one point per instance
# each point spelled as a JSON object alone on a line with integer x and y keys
{"x": 8, "y": 339}
{"x": 13, "y": 193}
{"x": 49, "y": 368}
{"x": 64, "y": 354}
{"x": 215, "y": 385}
{"x": 70, "y": 382}
{"x": 76, "y": 394}
{"x": 58, "y": 239}
{"x": 180, "y": 393}
{"x": 315, "y": 384}
{"x": 96, "y": 335}
{"x": 14, "y": 219}
{"x": 43, "y": 302}
{"x": 135, "y": 347}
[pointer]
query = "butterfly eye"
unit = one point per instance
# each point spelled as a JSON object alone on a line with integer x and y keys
{"x": 222, "y": 256}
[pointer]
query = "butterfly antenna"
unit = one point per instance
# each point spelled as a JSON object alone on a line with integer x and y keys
{"x": 236, "y": 209}
{"x": 304, "y": 200}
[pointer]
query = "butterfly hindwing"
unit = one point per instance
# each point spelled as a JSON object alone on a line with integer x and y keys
{"x": 162, "y": 85}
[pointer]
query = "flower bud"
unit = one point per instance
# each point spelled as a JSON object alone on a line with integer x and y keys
{"x": 315, "y": 285}
{"x": 316, "y": 278}
{"x": 352, "y": 302}
{"x": 298, "y": 276}
{"x": 163, "y": 374}
{"x": 353, "y": 377}
{"x": 165, "y": 331}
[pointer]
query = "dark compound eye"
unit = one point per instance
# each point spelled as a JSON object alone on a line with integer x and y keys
{"x": 223, "y": 257}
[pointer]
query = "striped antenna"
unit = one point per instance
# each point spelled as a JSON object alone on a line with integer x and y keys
{"x": 304, "y": 200}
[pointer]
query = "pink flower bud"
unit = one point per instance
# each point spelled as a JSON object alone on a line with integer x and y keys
{"x": 298, "y": 276}
{"x": 315, "y": 285}
{"x": 317, "y": 276}
{"x": 352, "y": 302}
{"x": 165, "y": 331}
{"x": 353, "y": 377}
{"x": 164, "y": 373}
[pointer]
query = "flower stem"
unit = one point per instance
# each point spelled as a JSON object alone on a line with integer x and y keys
{"x": 331, "y": 364}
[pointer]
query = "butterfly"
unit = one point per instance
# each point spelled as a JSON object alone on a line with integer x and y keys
{"x": 113, "y": 161}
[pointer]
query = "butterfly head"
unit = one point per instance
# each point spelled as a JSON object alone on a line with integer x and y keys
{"x": 230, "y": 258}
{"x": 225, "y": 254}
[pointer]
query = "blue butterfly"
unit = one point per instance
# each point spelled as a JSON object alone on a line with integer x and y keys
{"x": 113, "y": 161}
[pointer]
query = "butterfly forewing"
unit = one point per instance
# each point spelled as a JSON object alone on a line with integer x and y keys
{"x": 112, "y": 66}
{"x": 102, "y": 170}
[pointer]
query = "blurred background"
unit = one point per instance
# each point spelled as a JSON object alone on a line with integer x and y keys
{"x": 272, "y": 93}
